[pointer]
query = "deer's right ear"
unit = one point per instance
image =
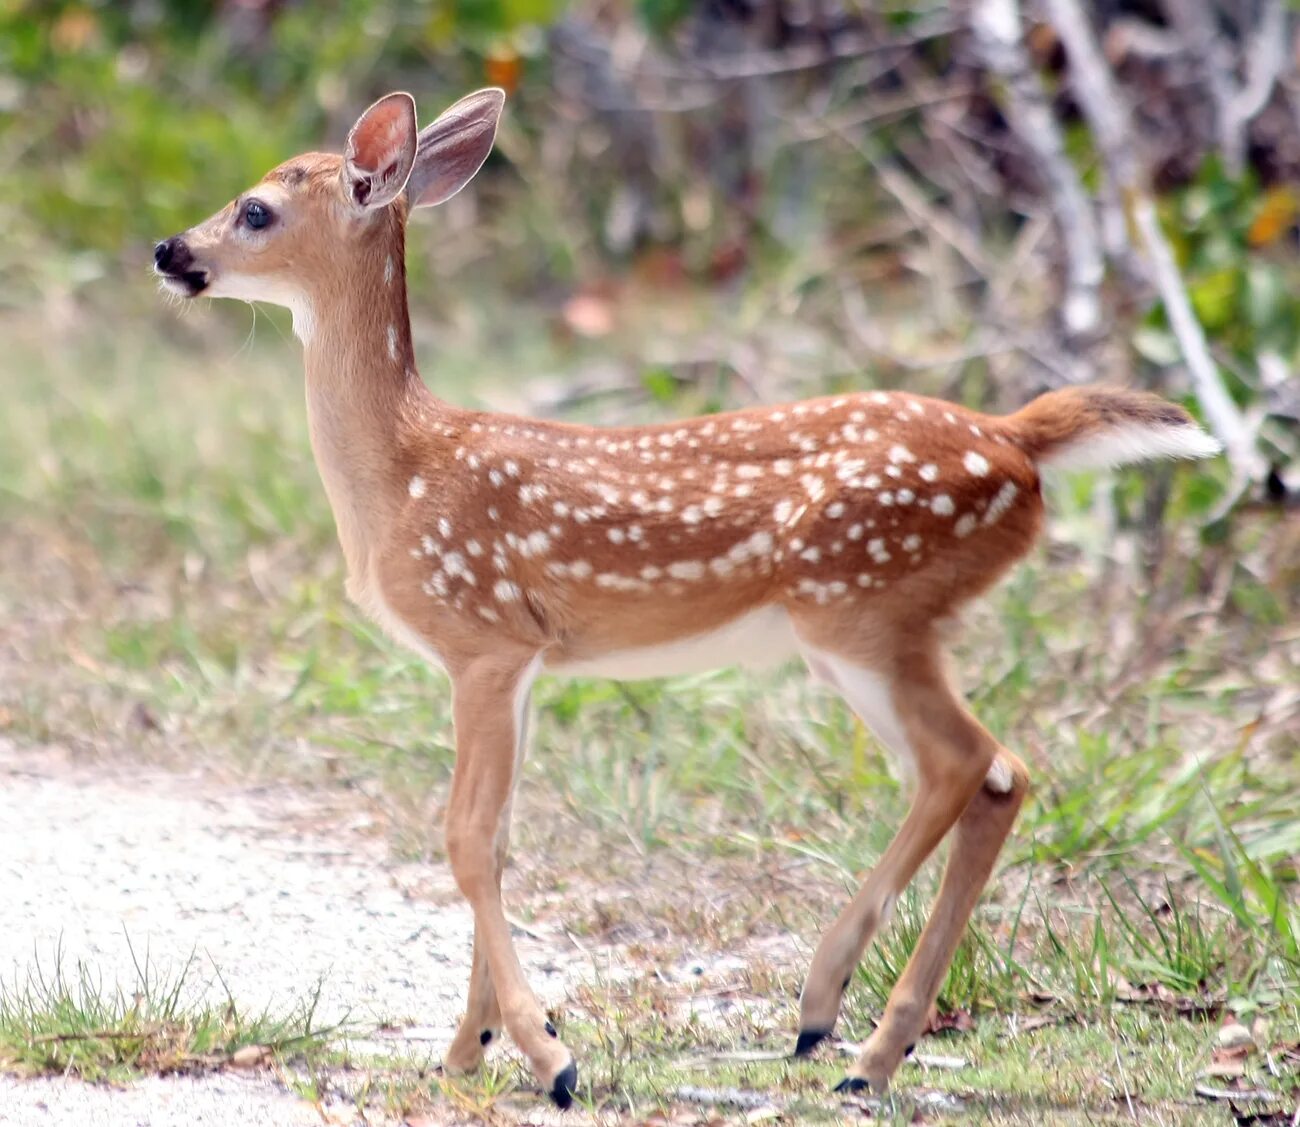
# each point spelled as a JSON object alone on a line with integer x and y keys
{"x": 380, "y": 152}
{"x": 454, "y": 147}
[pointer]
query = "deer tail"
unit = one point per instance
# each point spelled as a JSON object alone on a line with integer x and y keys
{"x": 1093, "y": 427}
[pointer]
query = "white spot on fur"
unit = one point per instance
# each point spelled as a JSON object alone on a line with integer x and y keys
{"x": 929, "y": 472}
{"x": 417, "y": 487}
{"x": 392, "y": 342}
{"x": 454, "y": 564}
{"x": 815, "y": 486}
{"x": 900, "y": 454}
{"x": 965, "y": 525}
{"x": 942, "y": 505}
{"x": 686, "y": 569}
{"x": 999, "y": 780}
{"x": 1001, "y": 502}
{"x": 388, "y": 270}
{"x": 911, "y": 542}
{"x": 506, "y": 591}
{"x": 975, "y": 463}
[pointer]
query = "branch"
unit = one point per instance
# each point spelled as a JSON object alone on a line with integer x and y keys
{"x": 997, "y": 31}
{"x": 1108, "y": 116}
{"x": 1264, "y": 55}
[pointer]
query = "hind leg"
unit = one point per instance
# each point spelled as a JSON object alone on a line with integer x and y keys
{"x": 909, "y": 705}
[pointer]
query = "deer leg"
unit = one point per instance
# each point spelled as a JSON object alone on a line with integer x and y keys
{"x": 981, "y": 831}
{"x": 481, "y": 1024}
{"x": 489, "y": 699}
{"x": 910, "y": 707}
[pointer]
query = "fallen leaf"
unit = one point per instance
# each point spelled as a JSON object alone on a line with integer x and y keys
{"x": 1228, "y": 1068}
{"x": 959, "y": 1020}
{"x": 251, "y": 1056}
{"x": 1234, "y": 1035}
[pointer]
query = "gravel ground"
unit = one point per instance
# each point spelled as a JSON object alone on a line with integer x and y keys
{"x": 249, "y": 882}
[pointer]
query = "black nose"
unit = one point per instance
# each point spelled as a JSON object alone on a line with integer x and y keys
{"x": 171, "y": 254}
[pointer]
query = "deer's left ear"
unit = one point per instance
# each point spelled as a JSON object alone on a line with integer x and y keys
{"x": 380, "y": 152}
{"x": 454, "y": 147}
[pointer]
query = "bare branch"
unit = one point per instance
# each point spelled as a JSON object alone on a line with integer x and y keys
{"x": 1108, "y": 115}
{"x": 997, "y": 30}
{"x": 1264, "y": 55}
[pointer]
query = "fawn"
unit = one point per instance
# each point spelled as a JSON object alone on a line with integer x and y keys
{"x": 840, "y": 529}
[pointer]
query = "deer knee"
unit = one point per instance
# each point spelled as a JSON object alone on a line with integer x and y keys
{"x": 471, "y": 853}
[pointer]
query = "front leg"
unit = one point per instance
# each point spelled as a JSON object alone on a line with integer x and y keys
{"x": 481, "y": 1024}
{"x": 490, "y": 698}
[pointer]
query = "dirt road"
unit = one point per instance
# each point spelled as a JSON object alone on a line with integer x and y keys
{"x": 256, "y": 888}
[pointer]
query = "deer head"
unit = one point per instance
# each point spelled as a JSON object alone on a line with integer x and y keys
{"x": 293, "y": 238}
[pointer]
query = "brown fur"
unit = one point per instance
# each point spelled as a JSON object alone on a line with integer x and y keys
{"x": 497, "y": 544}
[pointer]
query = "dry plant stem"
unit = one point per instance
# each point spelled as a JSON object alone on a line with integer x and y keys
{"x": 1108, "y": 115}
{"x": 997, "y": 29}
{"x": 1263, "y": 57}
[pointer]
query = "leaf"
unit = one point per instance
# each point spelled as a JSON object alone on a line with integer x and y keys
{"x": 1214, "y": 296}
{"x": 660, "y": 383}
{"x": 1156, "y": 345}
{"x": 1274, "y": 215}
{"x": 251, "y": 1056}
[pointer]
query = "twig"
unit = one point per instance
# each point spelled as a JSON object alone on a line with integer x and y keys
{"x": 99, "y": 1035}
{"x": 1263, "y": 55}
{"x": 997, "y": 31}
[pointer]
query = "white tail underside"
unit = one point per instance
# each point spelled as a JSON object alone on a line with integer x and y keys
{"x": 1126, "y": 443}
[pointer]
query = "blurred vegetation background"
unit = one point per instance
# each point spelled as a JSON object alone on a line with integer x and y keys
{"x": 873, "y": 173}
{"x": 696, "y": 204}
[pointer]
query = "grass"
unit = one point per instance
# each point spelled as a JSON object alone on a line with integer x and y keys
{"x": 170, "y": 589}
{"x": 65, "y": 1022}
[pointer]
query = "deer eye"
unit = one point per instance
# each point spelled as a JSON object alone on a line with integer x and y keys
{"x": 256, "y": 214}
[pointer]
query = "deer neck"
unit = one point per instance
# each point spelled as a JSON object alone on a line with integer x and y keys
{"x": 362, "y": 391}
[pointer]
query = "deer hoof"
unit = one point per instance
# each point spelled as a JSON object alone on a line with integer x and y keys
{"x": 564, "y": 1086}
{"x": 808, "y": 1040}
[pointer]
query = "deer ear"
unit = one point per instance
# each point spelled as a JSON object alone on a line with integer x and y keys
{"x": 380, "y": 152}
{"x": 454, "y": 147}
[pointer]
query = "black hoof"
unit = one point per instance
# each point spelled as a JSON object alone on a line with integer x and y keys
{"x": 564, "y": 1087}
{"x": 808, "y": 1040}
{"x": 853, "y": 1085}
{"x": 910, "y": 1049}
{"x": 485, "y": 1037}
{"x": 551, "y": 1029}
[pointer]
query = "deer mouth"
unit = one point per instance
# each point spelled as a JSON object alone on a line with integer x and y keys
{"x": 188, "y": 283}
{"x": 174, "y": 263}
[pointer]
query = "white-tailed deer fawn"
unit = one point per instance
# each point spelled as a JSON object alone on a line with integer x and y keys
{"x": 840, "y": 529}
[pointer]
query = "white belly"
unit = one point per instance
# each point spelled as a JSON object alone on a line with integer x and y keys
{"x": 761, "y": 638}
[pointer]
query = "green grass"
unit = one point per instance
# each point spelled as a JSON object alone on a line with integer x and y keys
{"x": 168, "y": 576}
{"x": 63, "y": 1021}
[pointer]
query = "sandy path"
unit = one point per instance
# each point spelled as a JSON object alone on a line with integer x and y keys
{"x": 90, "y": 855}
